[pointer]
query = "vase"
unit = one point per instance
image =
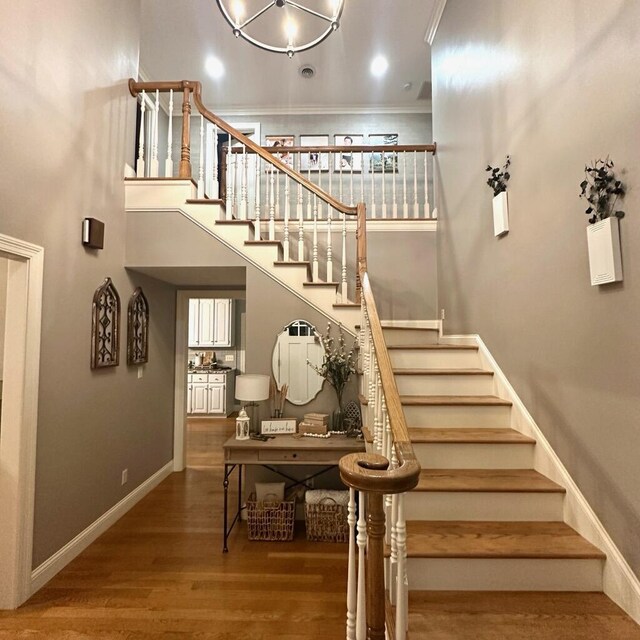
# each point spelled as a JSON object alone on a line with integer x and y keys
{"x": 603, "y": 243}
{"x": 500, "y": 214}
{"x": 337, "y": 420}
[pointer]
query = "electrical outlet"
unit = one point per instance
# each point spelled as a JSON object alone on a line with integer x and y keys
{"x": 140, "y": 372}
{"x": 441, "y": 314}
{"x": 229, "y": 358}
{"x": 125, "y": 476}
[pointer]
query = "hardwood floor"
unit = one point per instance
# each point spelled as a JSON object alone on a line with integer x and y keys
{"x": 159, "y": 573}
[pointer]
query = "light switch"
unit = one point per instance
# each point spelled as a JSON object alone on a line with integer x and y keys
{"x": 140, "y": 371}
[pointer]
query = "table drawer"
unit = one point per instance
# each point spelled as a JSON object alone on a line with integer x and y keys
{"x": 330, "y": 457}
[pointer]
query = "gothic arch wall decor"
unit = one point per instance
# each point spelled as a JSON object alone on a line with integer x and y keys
{"x": 138, "y": 328}
{"x": 105, "y": 326}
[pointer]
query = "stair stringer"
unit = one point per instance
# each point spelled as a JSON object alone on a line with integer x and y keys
{"x": 141, "y": 197}
{"x": 619, "y": 582}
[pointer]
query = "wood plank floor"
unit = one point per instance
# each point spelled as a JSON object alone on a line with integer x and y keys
{"x": 159, "y": 573}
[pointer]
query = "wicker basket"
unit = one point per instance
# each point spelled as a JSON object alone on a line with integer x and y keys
{"x": 270, "y": 520}
{"x": 326, "y": 521}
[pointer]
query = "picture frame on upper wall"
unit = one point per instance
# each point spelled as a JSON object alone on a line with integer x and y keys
{"x": 280, "y": 141}
{"x": 383, "y": 161}
{"x": 348, "y": 161}
{"x": 314, "y": 160}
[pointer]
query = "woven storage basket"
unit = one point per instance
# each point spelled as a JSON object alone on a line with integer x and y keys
{"x": 270, "y": 520}
{"x": 326, "y": 521}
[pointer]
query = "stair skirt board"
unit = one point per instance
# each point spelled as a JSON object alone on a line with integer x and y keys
{"x": 485, "y": 505}
{"x": 457, "y": 415}
{"x": 505, "y": 574}
{"x": 474, "y": 456}
{"x": 434, "y": 359}
{"x": 446, "y": 384}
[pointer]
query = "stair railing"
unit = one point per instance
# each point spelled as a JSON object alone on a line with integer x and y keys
{"x": 381, "y": 477}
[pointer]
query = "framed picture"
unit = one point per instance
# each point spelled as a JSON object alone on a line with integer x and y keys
{"x": 278, "y": 426}
{"x": 346, "y": 160}
{"x": 390, "y": 157}
{"x": 280, "y": 141}
{"x": 314, "y": 161}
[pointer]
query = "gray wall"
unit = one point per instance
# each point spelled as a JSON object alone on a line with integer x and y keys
{"x": 4, "y": 266}
{"x": 67, "y": 125}
{"x": 554, "y": 84}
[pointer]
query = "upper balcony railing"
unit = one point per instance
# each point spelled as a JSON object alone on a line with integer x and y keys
{"x": 267, "y": 187}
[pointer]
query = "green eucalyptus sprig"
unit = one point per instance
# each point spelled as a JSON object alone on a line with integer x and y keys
{"x": 601, "y": 190}
{"x": 499, "y": 178}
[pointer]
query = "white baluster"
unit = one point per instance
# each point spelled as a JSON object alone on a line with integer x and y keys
{"x": 257, "y": 233}
{"x": 215, "y": 184}
{"x": 140, "y": 161}
{"x": 287, "y": 181}
{"x": 362, "y": 176}
{"x": 361, "y": 539}
{"x": 384, "y": 181}
{"x": 405, "y": 206}
{"x": 244, "y": 204}
{"x": 402, "y": 614}
{"x": 278, "y": 209}
{"x": 272, "y": 203}
{"x": 314, "y": 264}
{"x": 416, "y": 206}
{"x": 300, "y": 213}
{"x": 201, "y": 168}
{"x": 371, "y": 398}
{"x": 427, "y": 208}
{"x": 309, "y": 198}
{"x": 155, "y": 165}
{"x": 377, "y": 420}
{"x": 351, "y": 574}
{"x": 343, "y": 285}
{"x": 373, "y": 186}
{"x": 394, "y": 173}
{"x": 168, "y": 163}
{"x": 230, "y": 194}
{"x": 351, "y": 203}
{"x": 234, "y": 189}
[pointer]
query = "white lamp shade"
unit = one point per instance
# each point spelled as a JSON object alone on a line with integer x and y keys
{"x": 252, "y": 387}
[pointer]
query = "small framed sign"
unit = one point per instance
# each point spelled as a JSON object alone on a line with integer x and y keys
{"x": 278, "y": 426}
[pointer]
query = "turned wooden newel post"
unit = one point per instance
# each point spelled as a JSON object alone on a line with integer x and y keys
{"x": 223, "y": 174}
{"x": 375, "y": 567}
{"x": 361, "y": 245}
{"x": 185, "y": 151}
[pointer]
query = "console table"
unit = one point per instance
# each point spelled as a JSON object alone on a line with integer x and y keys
{"x": 281, "y": 450}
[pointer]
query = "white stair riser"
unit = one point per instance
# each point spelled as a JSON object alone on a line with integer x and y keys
{"x": 474, "y": 456}
{"x": 491, "y": 574}
{"x": 457, "y": 416}
{"x": 482, "y": 506}
{"x": 163, "y": 194}
{"x": 393, "y": 336}
{"x": 434, "y": 359}
{"x": 445, "y": 385}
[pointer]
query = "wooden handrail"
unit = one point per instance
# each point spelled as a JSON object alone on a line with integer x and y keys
{"x": 195, "y": 87}
{"x": 429, "y": 148}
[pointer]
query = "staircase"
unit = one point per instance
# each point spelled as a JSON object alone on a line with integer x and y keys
{"x": 481, "y": 517}
{"x": 240, "y": 236}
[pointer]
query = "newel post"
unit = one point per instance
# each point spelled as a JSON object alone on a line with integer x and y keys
{"x": 375, "y": 567}
{"x": 361, "y": 245}
{"x": 185, "y": 151}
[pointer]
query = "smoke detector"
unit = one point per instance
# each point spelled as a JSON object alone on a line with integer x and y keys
{"x": 307, "y": 71}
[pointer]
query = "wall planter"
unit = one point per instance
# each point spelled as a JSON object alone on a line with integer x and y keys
{"x": 603, "y": 241}
{"x": 501, "y": 214}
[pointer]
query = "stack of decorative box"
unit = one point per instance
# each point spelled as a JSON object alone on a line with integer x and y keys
{"x": 317, "y": 423}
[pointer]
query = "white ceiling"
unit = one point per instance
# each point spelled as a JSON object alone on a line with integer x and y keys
{"x": 178, "y": 35}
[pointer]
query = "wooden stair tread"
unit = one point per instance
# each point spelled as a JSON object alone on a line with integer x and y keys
{"x": 247, "y": 223}
{"x": 384, "y": 325}
{"x": 210, "y": 201}
{"x": 275, "y": 243}
{"x": 346, "y": 305}
{"x": 467, "y": 435}
{"x": 483, "y": 401}
{"x": 334, "y": 285}
{"x": 433, "y": 347}
{"x": 460, "y": 539}
{"x": 442, "y": 372}
{"x": 292, "y": 263}
{"x": 487, "y": 480}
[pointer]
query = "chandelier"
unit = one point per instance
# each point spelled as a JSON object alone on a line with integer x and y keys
{"x": 235, "y": 16}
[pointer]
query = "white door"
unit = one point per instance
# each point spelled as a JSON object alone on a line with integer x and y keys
{"x": 222, "y": 335}
{"x": 194, "y": 319}
{"x": 216, "y": 398}
{"x": 199, "y": 397}
{"x": 206, "y": 322}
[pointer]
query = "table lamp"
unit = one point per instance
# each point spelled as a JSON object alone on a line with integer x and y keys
{"x": 252, "y": 388}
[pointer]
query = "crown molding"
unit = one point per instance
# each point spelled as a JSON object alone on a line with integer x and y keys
{"x": 434, "y": 21}
{"x": 235, "y": 112}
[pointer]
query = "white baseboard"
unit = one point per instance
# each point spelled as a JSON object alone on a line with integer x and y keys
{"x": 417, "y": 324}
{"x": 619, "y": 581}
{"x": 50, "y": 567}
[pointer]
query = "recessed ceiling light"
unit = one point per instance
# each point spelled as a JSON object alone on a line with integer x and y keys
{"x": 214, "y": 67}
{"x": 379, "y": 66}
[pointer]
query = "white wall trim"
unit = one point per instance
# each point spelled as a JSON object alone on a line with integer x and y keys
{"x": 19, "y": 417}
{"x": 251, "y": 111}
{"x": 50, "y": 567}
{"x": 619, "y": 581}
{"x": 434, "y": 21}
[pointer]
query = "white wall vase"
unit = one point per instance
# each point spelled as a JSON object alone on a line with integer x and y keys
{"x": 500, "y": 214}
{"x": 603, "y": 242}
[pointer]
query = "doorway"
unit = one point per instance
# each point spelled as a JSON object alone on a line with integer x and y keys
{"x": 22, "y": 315}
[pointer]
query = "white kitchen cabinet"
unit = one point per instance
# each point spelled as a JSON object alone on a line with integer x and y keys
{"x": 216, "y": 398}
{"x": 210, "y": 322}
{"x": 210, "y": 393}
{"x": 200, "y": 397}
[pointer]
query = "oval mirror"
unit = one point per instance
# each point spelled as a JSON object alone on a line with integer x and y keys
{"x": 296, "y": 343}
